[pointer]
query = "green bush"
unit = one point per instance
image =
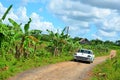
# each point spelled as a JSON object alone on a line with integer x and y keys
{"x": 110, "y": 67}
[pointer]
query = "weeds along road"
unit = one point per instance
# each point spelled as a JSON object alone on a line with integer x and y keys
{"x": 61, "y": 71}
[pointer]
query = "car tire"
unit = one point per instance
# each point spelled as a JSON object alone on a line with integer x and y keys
{"x": 89, "y": 62}
{"x": 75, "y": 60}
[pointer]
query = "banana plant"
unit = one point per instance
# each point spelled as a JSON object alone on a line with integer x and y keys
{"x": 58, "y": 41}
{"x": 20, "y": 50}
{"x": 36, "y": 33}
{"x": 5, "y": 14}
{"x": 3, "y": 30}
{"x": 14, "y": 35}
{"x": 26, "y": 41}
{"x": 3, "y": 26}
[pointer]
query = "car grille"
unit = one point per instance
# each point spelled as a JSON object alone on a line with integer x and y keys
{"x": 81, "y": 58}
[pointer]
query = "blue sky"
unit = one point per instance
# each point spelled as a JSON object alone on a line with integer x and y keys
{"x": 90, "y": 19}
{"x": 34, "y": 6}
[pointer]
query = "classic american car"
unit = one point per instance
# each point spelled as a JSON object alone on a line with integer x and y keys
{"x": 84, "y": 55}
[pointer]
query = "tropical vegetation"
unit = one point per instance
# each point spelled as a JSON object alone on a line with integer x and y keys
{"x": 109, "y": 70}
{"x": 23, "y": 49}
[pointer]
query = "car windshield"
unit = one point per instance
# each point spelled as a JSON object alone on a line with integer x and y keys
{"x": 85, "y": 51}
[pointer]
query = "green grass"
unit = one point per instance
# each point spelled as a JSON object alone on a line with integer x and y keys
{"x": 17, "y": 66}
{"x": 41, "y": 58}
{"x": 110, "y": 69}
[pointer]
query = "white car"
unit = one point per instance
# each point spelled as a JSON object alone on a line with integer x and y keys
{"x": 84, "y": 55}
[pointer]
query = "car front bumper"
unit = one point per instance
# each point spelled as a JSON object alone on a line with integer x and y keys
{"x": 82, "y": 58}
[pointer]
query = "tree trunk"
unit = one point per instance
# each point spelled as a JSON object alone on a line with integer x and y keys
{"x": 55, "y": 51}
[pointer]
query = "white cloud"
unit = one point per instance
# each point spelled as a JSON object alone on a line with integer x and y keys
{"x": 107, "y": 34}
{"x": 110, "y": 4}
{"x": 100, "y": 13}
{"x": 78, "y": 14}
{"x": 111, "y": 23}
{"x": 96, "y": 37}
{"x": 2, "y": 9}
{"x": 21, "y": 17}
{"x": 72, "y": 15}
{"x": 10, "y": 15}
{"x": 25, "y": 2}
{"x": 38, "y": 24}
{"x": 22, "y": 14}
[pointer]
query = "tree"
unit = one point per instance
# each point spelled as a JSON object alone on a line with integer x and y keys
{"x": 118, "y": 42}
{"x": 58, "y": 41}
{"x": 75, "y": 39}
{"x": 108, "y": 42}
{"x": 14, "y": 39}
{"x": 97, "y": 41}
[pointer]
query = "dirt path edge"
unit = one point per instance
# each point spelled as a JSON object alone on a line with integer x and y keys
{"x": 69, "y": 70}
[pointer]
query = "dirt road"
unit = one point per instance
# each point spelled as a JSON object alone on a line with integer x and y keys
{"x": 61, "y": 71}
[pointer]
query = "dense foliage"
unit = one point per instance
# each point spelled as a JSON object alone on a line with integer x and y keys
{"x": 19, "y": 48}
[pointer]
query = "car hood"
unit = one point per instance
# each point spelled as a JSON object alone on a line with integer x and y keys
{"x": 82, "y": 54}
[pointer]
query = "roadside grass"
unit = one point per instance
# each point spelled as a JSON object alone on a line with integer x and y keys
{"x": 11, "y": 68}
{"x": 109, "y": 70}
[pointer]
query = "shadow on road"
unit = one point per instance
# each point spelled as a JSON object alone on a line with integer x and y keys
{"x": 79, "y": 61}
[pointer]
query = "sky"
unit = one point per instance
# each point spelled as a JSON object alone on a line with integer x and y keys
{"x": 92, "y": 19}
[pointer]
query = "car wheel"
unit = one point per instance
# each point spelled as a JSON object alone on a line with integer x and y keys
{"x": 75, "y": 60}
{"x": 89, "y": 62}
